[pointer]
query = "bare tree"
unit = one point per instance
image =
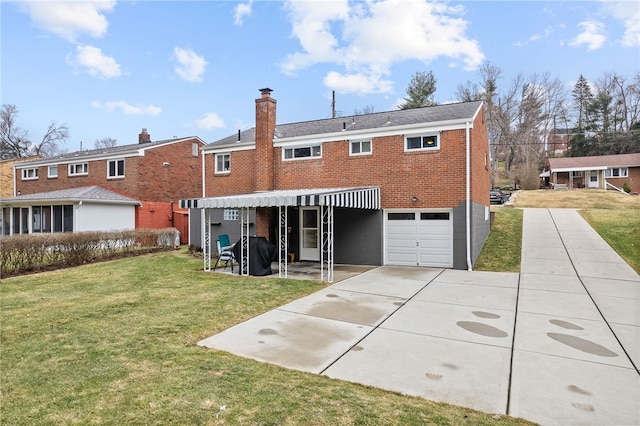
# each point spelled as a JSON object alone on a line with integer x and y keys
{"x": 14, "y": 141}
{"x": 369, "y": 109}
{"x": 105, "y": 143}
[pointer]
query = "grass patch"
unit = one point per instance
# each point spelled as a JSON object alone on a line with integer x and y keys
{"x": 114, "y": 343}
{"x": 501, "y": 251}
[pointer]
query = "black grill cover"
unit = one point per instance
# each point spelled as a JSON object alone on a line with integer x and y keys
{"x": 261, "y": 254}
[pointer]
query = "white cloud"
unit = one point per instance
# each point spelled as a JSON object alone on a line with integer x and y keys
{"x": 367, "y": 38}
{"x": 211, "y": 120}
{"x": 190, "y": 66}
{"x": 357, "y": 83}
{"x": 242, "y": 10}
{"x": 593, "y": 36}
{"x": 127, "y": 108}
{"x": 68, "y": 19}
{"x": 628, "y": 13}
{"x": 95, "y": 62}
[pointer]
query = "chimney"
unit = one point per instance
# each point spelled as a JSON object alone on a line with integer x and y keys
{"x": 265, "y": 129}
{"x": 144, "y": 137}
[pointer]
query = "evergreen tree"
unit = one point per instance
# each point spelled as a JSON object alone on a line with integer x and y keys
{"x": 420, "y": 91}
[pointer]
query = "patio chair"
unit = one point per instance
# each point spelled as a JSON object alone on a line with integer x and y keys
{"x": 225, "y": 252}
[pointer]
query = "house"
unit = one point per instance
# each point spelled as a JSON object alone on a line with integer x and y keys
{"x": 156, "y": 173}
{"x": 89, "y": 208}
{"x": 6, "y": 174}
{"x": 600, "y": 171}
{"x": 395, "y": 188}
{"x": 557, "y": 142}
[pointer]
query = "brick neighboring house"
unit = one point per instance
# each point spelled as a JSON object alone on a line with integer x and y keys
{"x": 394, "y": 188}
{"x": 595, "y": 171}
{"x": 156, "y": 173}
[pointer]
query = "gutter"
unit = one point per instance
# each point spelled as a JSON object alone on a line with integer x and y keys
{"x": 468, "y": 198}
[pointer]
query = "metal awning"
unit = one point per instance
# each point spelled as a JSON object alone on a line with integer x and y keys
{"x": 577, "y": 169}
{"x": 357, "y": 198}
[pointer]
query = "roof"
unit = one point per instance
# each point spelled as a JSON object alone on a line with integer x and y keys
{"x": 447, "y": 113}
{"x": 596, "y": 162}
{"x": 360, "y": 198}
{"x": 123, "y": 150}
{"x": 89, "y": 194}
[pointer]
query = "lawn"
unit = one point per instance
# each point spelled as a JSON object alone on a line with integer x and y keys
{"x": 115, "y": 343}
{"x": 615, "y": 216}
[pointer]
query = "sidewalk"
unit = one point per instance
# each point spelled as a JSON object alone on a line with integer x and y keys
{"x": 537, "y": 345}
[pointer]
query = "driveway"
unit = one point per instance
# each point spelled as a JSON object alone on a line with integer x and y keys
{"x": 557, "y": 343}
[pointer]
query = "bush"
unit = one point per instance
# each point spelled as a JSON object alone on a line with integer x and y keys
{"x": 37, "y": 252}
{"x": 626, "y": 188}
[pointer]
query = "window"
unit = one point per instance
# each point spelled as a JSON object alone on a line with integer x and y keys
{"x": 77, "y": 169}
{"x": 115, "y": 169}
{"x": 30, "y": 174}
{"x": 194, "y": 149}
{"x": 617, "y": 172}
{"x": 302, "y": 152}
{"x": 401, "y": 216}
{"x": 53, "y": 171}
{"x": 576, "y": 173}
{"x": 422, "y": 142}
{"x": 434, "y": 216}
{"x": 360, "y": 147}
{"x": 230, "y": 214}
{"x": 223, "y": 163}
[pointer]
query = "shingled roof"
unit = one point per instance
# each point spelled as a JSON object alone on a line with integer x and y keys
{"x": 601, "y": 161}
{"x": 89, "y": 194}
{"x": 457, "y": 112}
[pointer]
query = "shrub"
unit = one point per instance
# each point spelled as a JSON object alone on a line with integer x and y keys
{"x": 626, "y": 188}
{"x": 36, "y": 252}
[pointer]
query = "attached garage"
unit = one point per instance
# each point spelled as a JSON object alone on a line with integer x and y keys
{"x": 419, "y": 238}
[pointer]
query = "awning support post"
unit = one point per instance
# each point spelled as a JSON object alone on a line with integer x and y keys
{"x": 283, "y": 242}
{"x": 327, "y": 244}
{"x": 207, "y": 241}
{"x": 244, "y": 241}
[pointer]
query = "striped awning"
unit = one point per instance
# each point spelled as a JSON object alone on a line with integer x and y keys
{"x": 356, "y": 198}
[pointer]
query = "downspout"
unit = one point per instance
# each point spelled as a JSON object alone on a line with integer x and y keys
{"x": 202, "y": 212}
{"x": 468, "y": 198}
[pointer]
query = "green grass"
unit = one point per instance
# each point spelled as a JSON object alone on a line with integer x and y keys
{"x": 115, "y": 343}
{"x": 501, "y": 251}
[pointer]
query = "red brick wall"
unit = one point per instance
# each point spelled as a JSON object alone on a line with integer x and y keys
{"x": 156, "y": 215}
{"x": 241, "y": 180}
{"x": 480, "y": 162}
{"x": 633, "y": 180}
{"x": 145, "y": 177}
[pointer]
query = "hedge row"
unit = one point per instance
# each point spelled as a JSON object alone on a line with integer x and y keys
{"x": 20, "y": 254}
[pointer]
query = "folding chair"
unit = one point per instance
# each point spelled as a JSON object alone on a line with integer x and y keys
{"x": 225, "y": 252}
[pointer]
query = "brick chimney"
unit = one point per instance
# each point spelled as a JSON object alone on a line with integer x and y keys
{"x": 265, "y": 128}
{"x": 144, "y": 137}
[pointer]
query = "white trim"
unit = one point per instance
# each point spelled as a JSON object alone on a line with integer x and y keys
{"x": 34, "y": 170}
{"x": 228, "y": 148}
{"x": 215, "y": 163}
{"x": 84, "y": 173}
{"x": 293, "y": 148}
{"x": 571, "y": 169}
{"x": 360, "y": 141}
{"x": 117, "y": 176}
{"x": 422, "y": 148}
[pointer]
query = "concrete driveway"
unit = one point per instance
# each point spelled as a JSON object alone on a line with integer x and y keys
{"x": 558, "y": 343}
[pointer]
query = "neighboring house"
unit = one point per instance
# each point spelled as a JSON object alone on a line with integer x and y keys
{"x": 156, "y": 173}
{"x": 6, "y": 174}
{"x": 598, "y": 171}
{"x": 89, "y": 208}
{"x": 557, "y": 142}
{"x": 404, "y": 187}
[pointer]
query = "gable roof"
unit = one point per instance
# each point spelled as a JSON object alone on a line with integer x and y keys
{"x": 447, "y": 114}
{"x": 115, "y": 151}
{"x": 560, "y": 164}
{"x": 88, "y": 194}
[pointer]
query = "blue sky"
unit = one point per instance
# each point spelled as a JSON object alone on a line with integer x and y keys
{"x": 194, "y": 68}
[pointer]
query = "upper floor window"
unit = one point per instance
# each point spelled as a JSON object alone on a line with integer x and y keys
{"x": 115, "y": 168}
{"x": 617, "y": 172}
{"x": 223, "y": 163}
{"x": 77, "y": 169}
{"x": 360, "y": 147}
{"x": 302, "y": 152}
{"x": 194, "y": 149}
{"x": 423, "y": 142}
{"x": 30, "y": 174}
{"x": 53, "y": 171}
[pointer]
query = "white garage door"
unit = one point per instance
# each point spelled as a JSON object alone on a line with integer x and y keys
{"x": 419, "y": 238}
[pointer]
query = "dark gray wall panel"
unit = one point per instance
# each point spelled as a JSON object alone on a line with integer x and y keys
{"x": 357, "y": 236}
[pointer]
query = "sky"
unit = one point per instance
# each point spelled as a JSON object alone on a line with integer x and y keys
{"x": 107, "y": 69}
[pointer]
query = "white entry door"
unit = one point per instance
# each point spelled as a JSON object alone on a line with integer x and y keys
{"x": 594, "y": 181}
{"x": 310, "y": 233}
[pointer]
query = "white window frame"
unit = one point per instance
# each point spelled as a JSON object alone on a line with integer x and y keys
{"x": 73, "y": 169}
{"x": 315, "y": 152}
{"x": 30, "y": 174}
{"x": 423, "y": 143}
{"x": 50, "y": 169}
{"x": 116, "y": 176}
{"x": 231, "y": 214}
{"x": 359, "y": 144}
{"x": 194, "y": 149}
{"x": 623, "y": 172}
{"x": 222, "y": 155}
